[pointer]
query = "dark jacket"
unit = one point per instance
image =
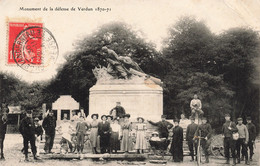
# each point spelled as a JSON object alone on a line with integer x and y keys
{"x": 82, "y": 127}
{"x": 27, "y": 127}
{"x": 226, "y": 132}
{"x": 49, "y": 125}
{"x": 205, "y": 129}
{"x": 191, "y": 130}
{"x": 252, "y": 131}
{"x": 163, "y": 127}
{"x": 103, "y": 129}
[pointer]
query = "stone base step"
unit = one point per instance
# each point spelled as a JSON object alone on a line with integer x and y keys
{"x": 129, "y": 156}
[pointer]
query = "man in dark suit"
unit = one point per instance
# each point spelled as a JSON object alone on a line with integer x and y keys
{"x": 49, "y": 125}
{"x": 104, "y": 133}
{"x": 27, "y": 129}
{"x": 190, "y": 133}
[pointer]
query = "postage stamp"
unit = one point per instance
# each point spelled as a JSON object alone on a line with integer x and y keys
{"x": 31, "y": 46}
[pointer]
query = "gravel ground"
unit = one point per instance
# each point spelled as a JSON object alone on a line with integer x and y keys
{"x": 14, "y": 157}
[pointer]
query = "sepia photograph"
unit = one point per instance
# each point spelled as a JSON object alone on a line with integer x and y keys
{"x": 119, "y": 82}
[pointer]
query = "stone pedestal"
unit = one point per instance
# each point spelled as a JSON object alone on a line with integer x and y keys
{"x": 143, "y": 99}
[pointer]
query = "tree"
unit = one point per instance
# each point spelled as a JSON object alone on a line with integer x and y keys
{"x": 237, "y": 50}
{"x": 189, "y": 50}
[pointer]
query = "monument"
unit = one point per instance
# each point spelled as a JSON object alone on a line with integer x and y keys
{"x": 124, "y": 81}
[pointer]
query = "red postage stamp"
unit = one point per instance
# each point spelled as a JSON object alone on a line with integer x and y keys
{"x": 31, "y": 46}
{"x": 25, "y": 43}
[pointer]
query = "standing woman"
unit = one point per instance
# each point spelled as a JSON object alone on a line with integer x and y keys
{"x": 177, "y": 140}
{"x": 94, "y": 133}
{"x": 126, "y": 128}
{"x": 115, "y": 136}
{"x": 104, "y": 134}
{"x": 140, "y": 135}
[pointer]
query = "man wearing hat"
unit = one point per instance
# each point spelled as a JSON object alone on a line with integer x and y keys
{"x": 252, "y": 135}
{"x": 27, "y": 129}
{"x": 204, "y": 131}
{"x": 242, "y": 140}
{"x": 177, "y": 141}
{"x": 163, "y": 127}
{"x": 190, "y": 133}
{"x": 228, "y": 129}
{"x": 119, "y": 111}
{"x": 49, "y": 125}
{"x": 104, "y": 133}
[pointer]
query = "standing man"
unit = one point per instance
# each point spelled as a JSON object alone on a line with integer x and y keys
{"x": 81, "y": 130}
{"x": 163, "y": 127}
{"x": 242, "y": 140}
{"x": 177, "y": 141}
{"x": 104, "y": 133}
{"x": 228, "y": 129}
{"x": 27, "y": 129}
{"x": 49, "y": 125}
{"x": 190, "y": 133}
{"x": 3, "y": 125}
{"x": 118, "y": 110}
{"x": 252, "y": 135}
{"x": 196, "y": 106}
{"x": 204, "y": 131}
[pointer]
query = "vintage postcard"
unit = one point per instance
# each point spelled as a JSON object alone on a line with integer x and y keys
{"x": 135, "y": 82}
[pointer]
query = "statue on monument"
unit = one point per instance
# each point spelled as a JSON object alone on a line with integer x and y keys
{"x": 122, "y": 67}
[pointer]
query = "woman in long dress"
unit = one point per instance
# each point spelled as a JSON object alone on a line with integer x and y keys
{"x": 94, "y": 133}
{"x": 126, "y": 129}
{"x": 140, "y": 127}
{"x": 115, "y": 136}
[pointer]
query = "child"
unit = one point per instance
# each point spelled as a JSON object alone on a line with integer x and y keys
{"x": 140, "y": 135}
{"x": 38, "y": 134}
{"x": 81, "y": 129}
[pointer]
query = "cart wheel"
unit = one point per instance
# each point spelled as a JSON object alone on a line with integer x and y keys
{"x": 217, "y": 147}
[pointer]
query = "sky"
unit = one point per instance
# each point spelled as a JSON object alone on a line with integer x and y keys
{"x": 153, "y": 17}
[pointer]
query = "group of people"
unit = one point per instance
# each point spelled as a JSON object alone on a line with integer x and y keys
{"x": 237, "y": 137}
{"x": 115, "y": 132}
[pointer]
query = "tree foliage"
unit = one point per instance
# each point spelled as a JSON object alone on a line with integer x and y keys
{"x": 219, "y": 68}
